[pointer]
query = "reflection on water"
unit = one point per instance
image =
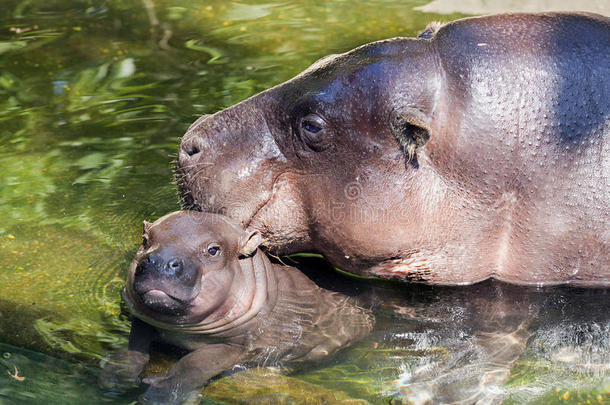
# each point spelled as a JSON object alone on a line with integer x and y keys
{"x": 93, "y": 99}
{"x": 486, "y": 342}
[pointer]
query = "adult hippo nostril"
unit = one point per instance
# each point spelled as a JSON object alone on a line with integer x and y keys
{"x": 193, "y": 150}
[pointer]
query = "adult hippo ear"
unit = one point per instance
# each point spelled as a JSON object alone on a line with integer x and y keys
{"x": 411, "y": 131}
{"x": 249, "y": 242}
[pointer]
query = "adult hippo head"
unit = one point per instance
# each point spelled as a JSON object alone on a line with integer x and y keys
{"x": 479, "y": 149}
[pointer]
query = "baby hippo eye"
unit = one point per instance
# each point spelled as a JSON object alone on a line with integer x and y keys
{"x": 213, "y": 250}
{"x": 144, "y": 241}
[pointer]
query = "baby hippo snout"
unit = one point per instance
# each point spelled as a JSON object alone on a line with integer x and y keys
{"x": 165, "y": 282}
{"x": 154, "y": 263}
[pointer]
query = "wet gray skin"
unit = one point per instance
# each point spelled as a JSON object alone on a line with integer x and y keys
{"x": 478, "y": 150}
{"x": 199, "y": 282}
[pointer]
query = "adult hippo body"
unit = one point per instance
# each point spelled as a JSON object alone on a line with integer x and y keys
{"x": 479, "y": 149}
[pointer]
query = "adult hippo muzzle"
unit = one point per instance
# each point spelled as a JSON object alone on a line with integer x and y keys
{"x": 479, "y": 149}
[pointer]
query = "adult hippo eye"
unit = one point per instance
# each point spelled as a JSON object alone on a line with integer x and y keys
{"x": 213, "y": 250}
{"x": 144, "y": 241}
{"x": 312, "y": 131}
{"x": 309, "y": 126}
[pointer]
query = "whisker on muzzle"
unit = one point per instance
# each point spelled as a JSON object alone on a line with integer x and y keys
{"x": 206, "y": 164}
{"x": 196, "y": 174}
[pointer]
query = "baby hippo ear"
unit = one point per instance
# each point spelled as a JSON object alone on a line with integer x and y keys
{"x": 147, "y": 226}
{"x": 249, "y": 242}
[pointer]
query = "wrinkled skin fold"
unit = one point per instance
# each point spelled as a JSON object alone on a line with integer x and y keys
{"x": 478, "y": 150}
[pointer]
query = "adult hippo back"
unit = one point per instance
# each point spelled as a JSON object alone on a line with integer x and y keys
{"x": 479, "y": 149}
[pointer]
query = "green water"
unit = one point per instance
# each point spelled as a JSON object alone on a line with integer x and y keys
{"x": 94, "y": 96}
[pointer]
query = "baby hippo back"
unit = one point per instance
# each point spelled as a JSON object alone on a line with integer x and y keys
{"x": 309, "y": 323}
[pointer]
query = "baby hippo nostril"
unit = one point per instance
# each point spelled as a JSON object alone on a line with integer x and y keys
{"x": 175, "y": 266}
{"x": 140, "y": 269}
{"x": 145, "y": 264}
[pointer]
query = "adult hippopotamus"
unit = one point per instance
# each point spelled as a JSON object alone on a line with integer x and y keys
{"x": 199, "y": 282}
{"x": 479, "y": 149}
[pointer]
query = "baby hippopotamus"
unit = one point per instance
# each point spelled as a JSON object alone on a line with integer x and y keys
{"x": 199, "y": 282}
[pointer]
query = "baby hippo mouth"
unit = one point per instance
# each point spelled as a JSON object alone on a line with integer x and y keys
{"x": 160, "y": 301}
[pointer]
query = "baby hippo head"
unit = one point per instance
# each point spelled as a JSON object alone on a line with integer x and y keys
{"x": 187, "y": 268}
